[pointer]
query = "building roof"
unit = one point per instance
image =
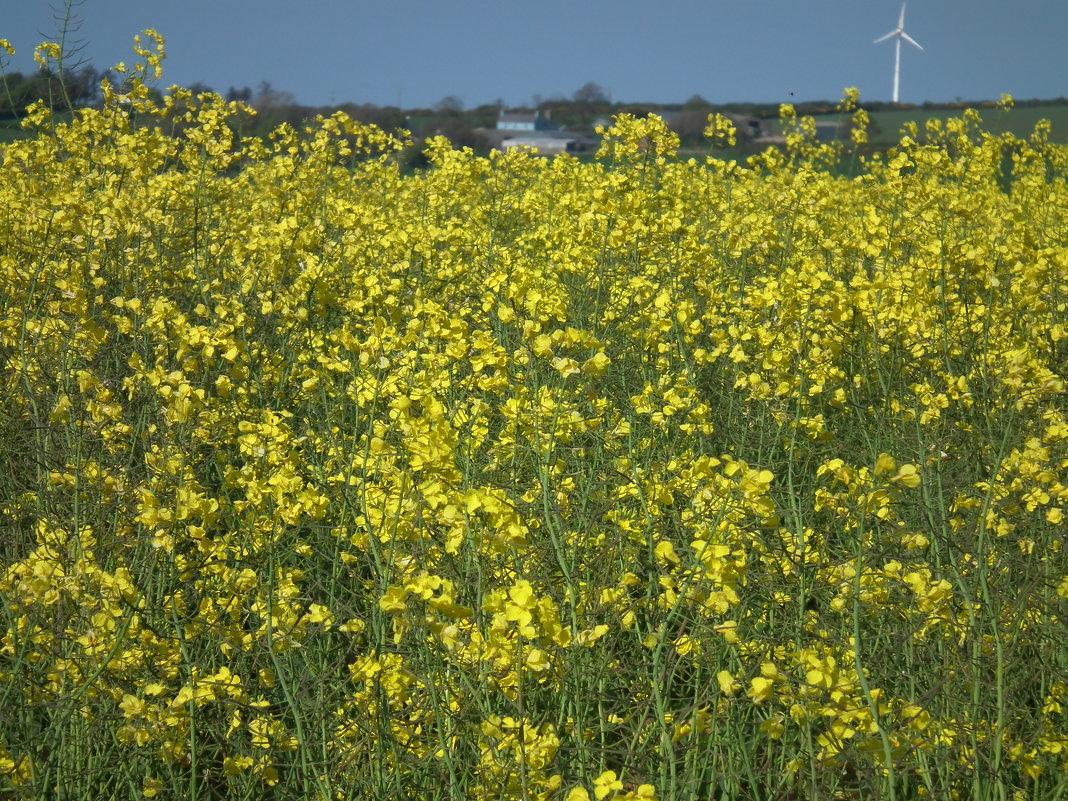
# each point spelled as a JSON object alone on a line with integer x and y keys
{"x": 525, "y": 120}
{"x": 496, "y": 136}
{"x": 547, "y": 144}
{"x": 518, "y": 116}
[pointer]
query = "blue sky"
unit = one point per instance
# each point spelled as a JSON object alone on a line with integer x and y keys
{"x": 414, "y": 53}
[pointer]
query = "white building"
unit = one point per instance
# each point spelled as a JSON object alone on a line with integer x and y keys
{"x": 524, "y": 121}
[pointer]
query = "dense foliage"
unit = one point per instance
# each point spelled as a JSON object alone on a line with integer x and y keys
{"x": 528, "y": 478}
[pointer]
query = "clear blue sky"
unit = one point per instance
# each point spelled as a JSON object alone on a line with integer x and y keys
{"x": 415, "y": 52}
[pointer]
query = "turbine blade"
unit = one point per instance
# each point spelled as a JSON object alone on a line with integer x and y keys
{"x": 884, "y": 38}
{"x": 910, "y": 40}
{"x": 901, "y": 19}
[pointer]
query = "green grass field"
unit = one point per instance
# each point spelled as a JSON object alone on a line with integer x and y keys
{"x": 1018, "y": 121}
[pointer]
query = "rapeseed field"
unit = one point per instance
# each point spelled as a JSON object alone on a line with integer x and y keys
{"x": 525, "y": 478}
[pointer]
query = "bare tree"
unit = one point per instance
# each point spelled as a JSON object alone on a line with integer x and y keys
{"x": 592, "y": 93}
{"x": 267, "y": 97}
{"x": 450, "y": 104}
{"x": 243, "y": 95}
{"x": 696, "y": 103}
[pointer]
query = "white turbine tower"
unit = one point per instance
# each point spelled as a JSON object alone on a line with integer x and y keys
{"x": 899, "y": 34}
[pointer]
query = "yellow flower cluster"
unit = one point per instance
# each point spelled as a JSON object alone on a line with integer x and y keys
{"x": 520, "y": 478}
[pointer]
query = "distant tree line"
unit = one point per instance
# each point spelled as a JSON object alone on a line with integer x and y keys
{"x": 589, "y": 105}
{"x": 62, "y": 91}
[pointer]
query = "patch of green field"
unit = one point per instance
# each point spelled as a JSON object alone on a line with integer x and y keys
{"x": 10, "y": 131}
{"x": 887, "y": 125}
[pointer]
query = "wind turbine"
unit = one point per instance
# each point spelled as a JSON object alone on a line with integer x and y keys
{"x": 899, "y": 34}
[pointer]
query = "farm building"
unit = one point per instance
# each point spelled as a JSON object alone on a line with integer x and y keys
{"x": 770, "y": 130}
{"x": 533, "y": 129}
{"x": 547, "y": 144}
{"x": 756, "y": 129}
{"x": 524, "y": 121}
